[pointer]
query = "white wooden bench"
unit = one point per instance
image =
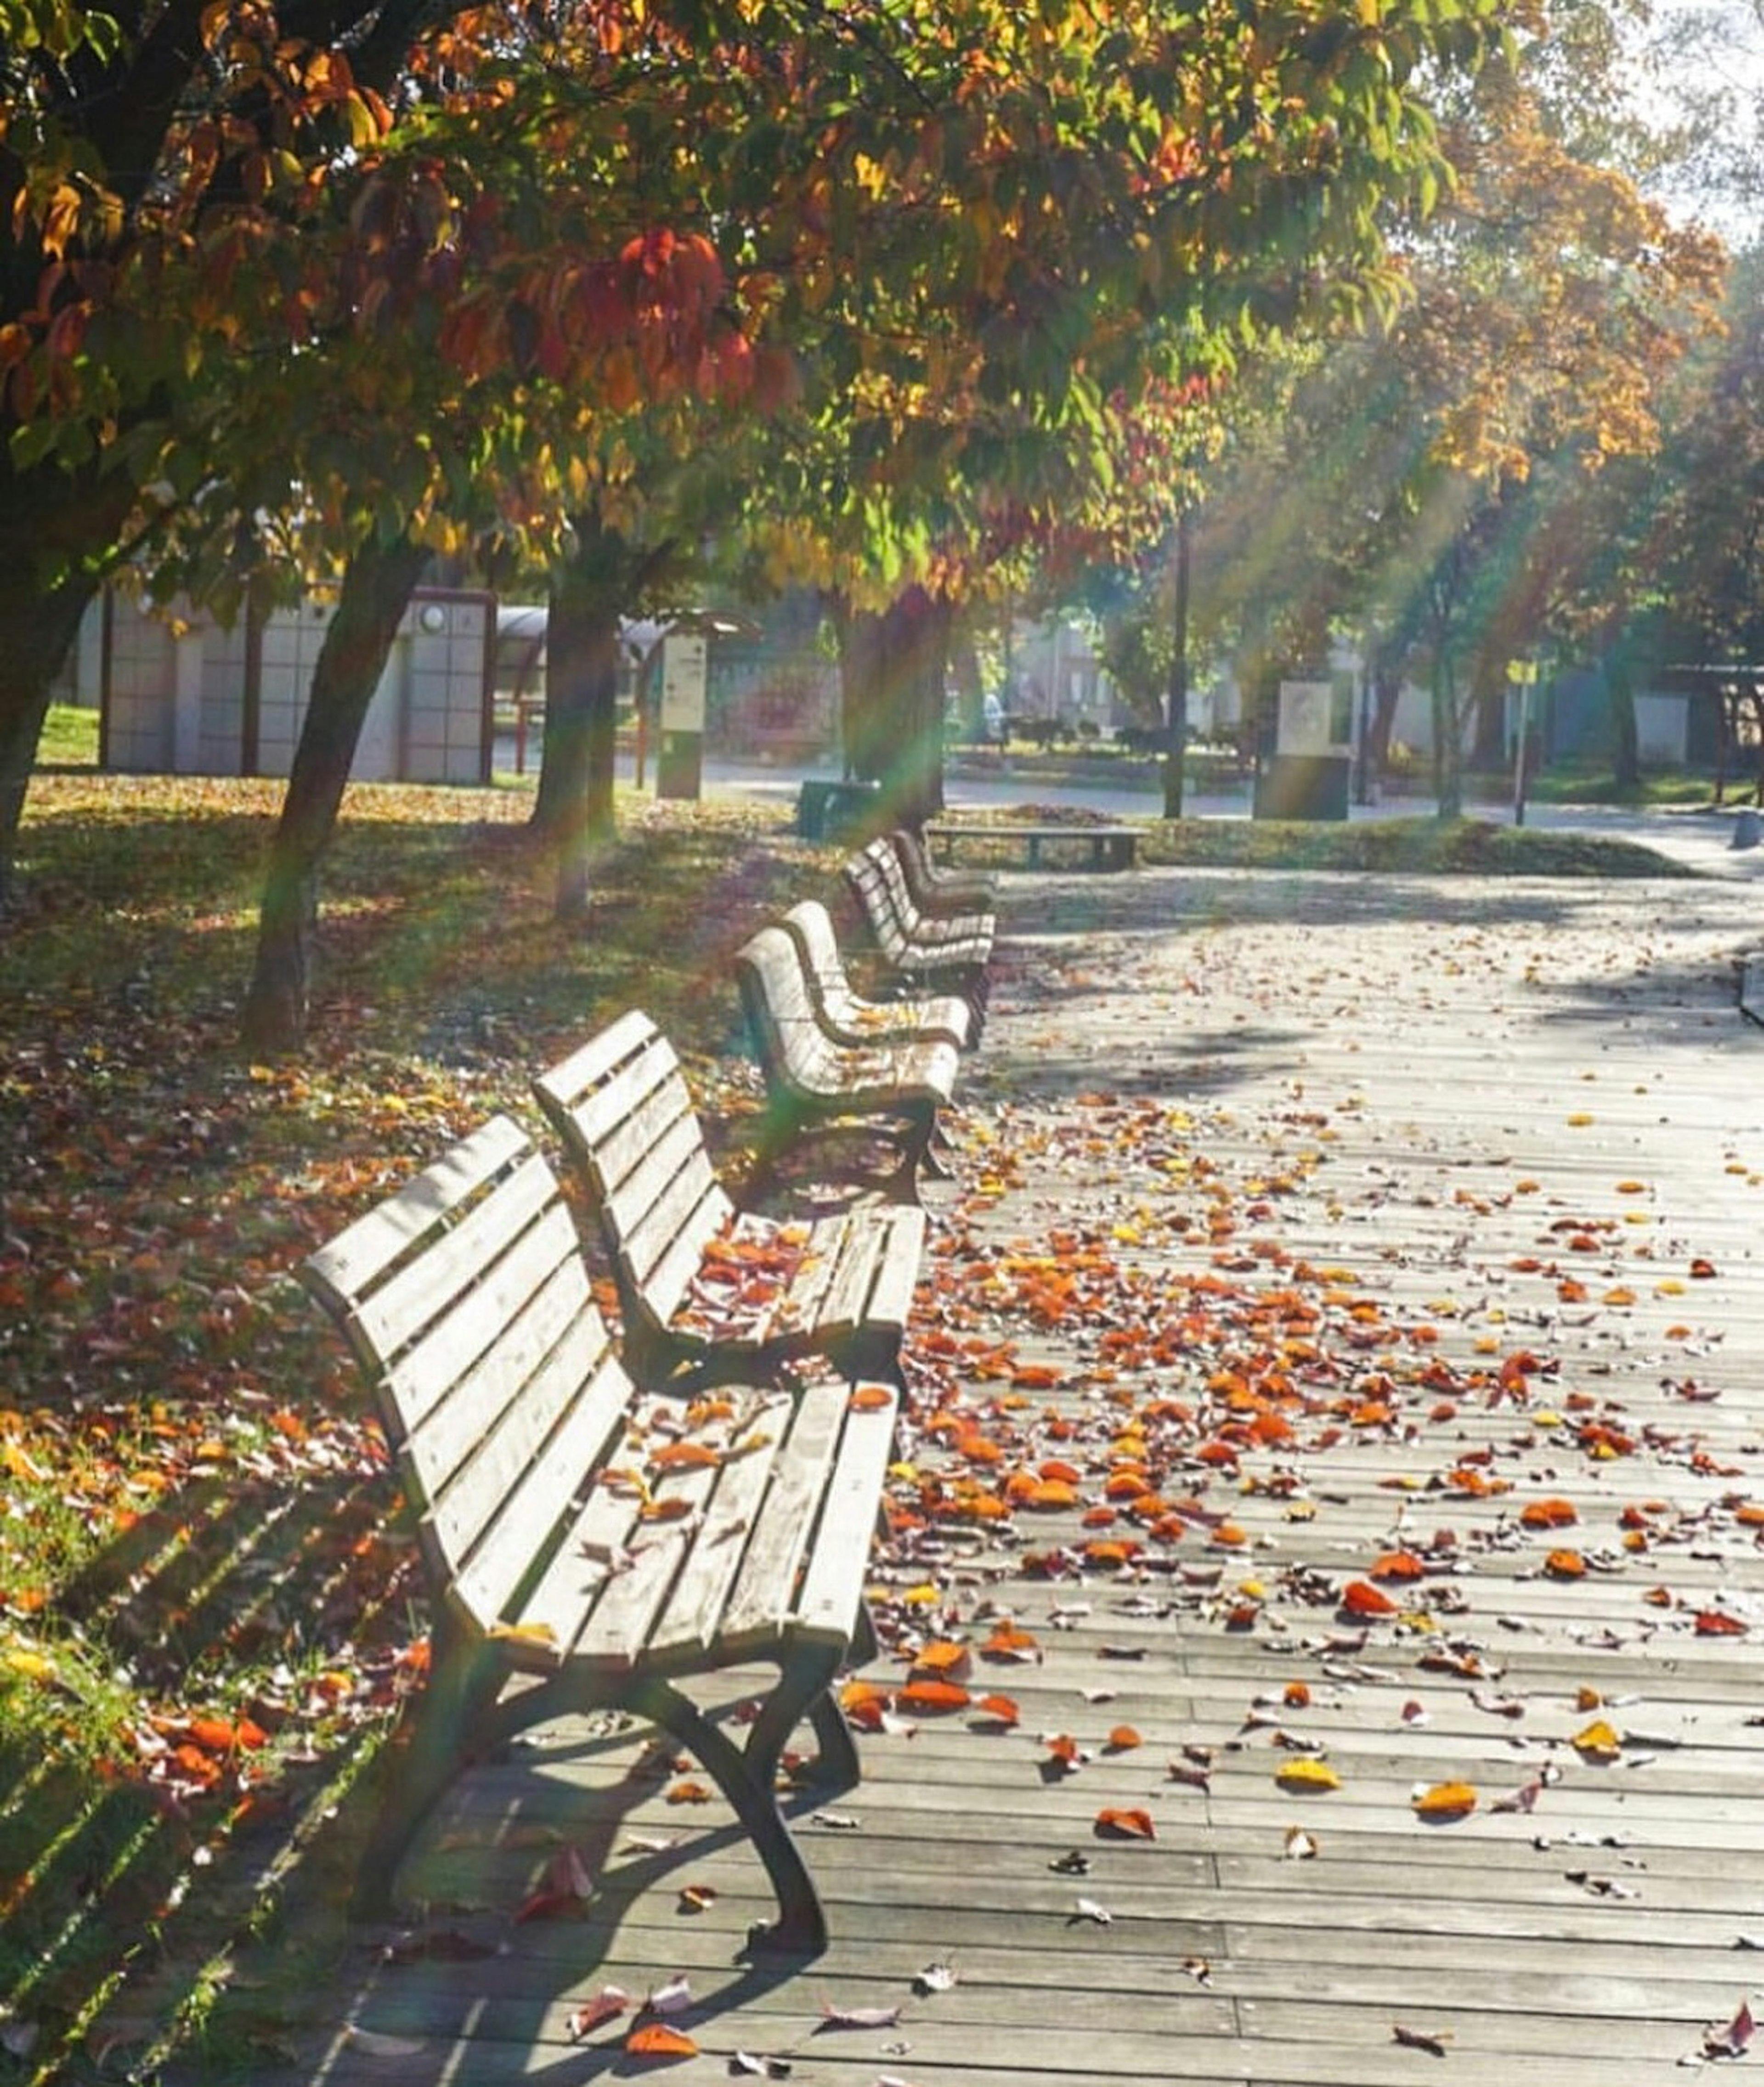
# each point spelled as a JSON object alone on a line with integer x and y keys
{"x": 1099, "y": 847}
{"x": 920, "y": 952}
{"x": 707, "y": 1291}
{"x": 566, "y": 1551}
{"x": 849, "y": 1018}
{"x": 891, "y": 1086}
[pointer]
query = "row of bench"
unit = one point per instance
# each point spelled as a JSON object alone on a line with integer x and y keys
{"x": 600, "y": 1522}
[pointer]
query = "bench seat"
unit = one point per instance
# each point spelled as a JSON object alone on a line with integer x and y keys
{"x": 597, "y": 1542}
{"x": 707, "y": 1291}
{"x": 1111, "y": 847}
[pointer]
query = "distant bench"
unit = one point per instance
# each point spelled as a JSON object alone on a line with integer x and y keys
{"x": 1097, "y": 847}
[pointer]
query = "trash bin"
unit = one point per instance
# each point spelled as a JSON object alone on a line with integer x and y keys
{"x": 835, "y": 811}
{"x": 1302, "y": 786}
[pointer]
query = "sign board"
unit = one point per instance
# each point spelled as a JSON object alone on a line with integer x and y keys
{"x": 684, "y": 656}
{"x": 1316, "y": 717}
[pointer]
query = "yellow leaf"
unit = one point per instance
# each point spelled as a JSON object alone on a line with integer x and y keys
{"x": 1600, "y": 1741}
{"x": 1306, "y": 1776}
{"x": 1445, "y": 1800}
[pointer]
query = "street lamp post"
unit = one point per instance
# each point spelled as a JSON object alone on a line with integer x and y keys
{"x": 1522, "y": 673}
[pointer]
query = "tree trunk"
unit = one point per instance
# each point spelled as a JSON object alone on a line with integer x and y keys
{"x": 892, "y": 670}
{"x": 1448, "y": 739}
{"x": 56, "y": 528}
{"x": 1386, "y": 692}
{"x": 573, "y": 810}
{"x": 376, "y": 586}
{"x": 36, "y": 630}
{"x": 1626, "y": 737}
{"x": 1175, "y": 720}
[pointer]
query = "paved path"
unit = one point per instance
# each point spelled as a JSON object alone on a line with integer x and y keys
{"x": 1402, "y": 1239}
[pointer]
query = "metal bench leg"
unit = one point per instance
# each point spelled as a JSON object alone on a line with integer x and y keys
{"x": 804, "y": 1689}
{"x": 802, "y": 1925}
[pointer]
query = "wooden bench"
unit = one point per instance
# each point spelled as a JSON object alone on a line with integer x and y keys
{"x": 845, "y": 1014}
{"x": 919, "y": 952}
{"x": 935, "y": 890}
{"x": 708, "y": 1292}
{"x": 592, "y": 1543}
{"x": 1097, "y": 847}
{"x": 892, "y": 1088}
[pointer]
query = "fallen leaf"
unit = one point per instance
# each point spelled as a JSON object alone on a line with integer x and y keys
{"x": 608, "y": 2003}
{"x": 1445, "y": 1801}
{"x": 1432, "y": 2042}
{"x": 658, "y": 2040}
{"x": 833, "y": 2018}
{"x": 1600, "y": 1741}
{"x": 373, "y": 2043}
{"x": 1125, "y": 1825}
{"x": 1732, "y": 2041}
{"x": 1307, "y": 1775}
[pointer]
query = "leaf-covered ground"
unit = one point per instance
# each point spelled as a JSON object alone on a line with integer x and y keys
{"x": 203, "y": 1607}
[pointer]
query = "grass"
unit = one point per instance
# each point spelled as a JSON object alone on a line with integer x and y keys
{"x": 69, "y": 738}
{"x": 206, "y": 1611}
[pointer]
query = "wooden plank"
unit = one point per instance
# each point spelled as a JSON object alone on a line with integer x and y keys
{"x": 469, "y": 1337}
{"x": 450, "y": 1270}
{"x": 507, "y": 1553}
{"x": 833, "y": 1582}
{"x": 693, "y": 1616}
{"x": 359, "y": 1257}
{"x": 763, "y": 1596}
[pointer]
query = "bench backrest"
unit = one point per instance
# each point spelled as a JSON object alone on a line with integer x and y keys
{"x": 881, "y": 910}
{"x": 809, "y": 926}
{"x": 780, "y": 1004}
{"x": 622, "y": 1109}
{"x": 466, "y": 1303}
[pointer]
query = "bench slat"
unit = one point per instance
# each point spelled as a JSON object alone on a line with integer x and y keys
{"x": 615, "y": 1635}
{"x": 877, "y": 1274}
{"x": 417, "y": 1296}
{"x": 479, "y": 1447}
{"x": 490, "y": 1297}
{"x": 679, "y": 1197}
{"x": 690, "y": 1621}
{"x": 340, "y": 1271}
{"x": 840, "y": 1563}
{"x": 764, "y": 1595}
{"x": 528, "y": 1521}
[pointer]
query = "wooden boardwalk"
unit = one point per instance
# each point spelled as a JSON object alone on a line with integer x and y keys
{"x": 1358, "y": 1217}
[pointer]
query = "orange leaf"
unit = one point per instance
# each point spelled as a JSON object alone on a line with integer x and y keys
{"x": 1360, "y": 1597}
{"x": 689, "y": 1792}
{"x": 686, "y": 1457}
{"x": 1396, "y": 1565}
{"x": 942, "y": 1655}
{"x": 1549, "y": 1514}
{"x": 1123, "y": 1739}
{"x": 934, "y": 1696}
{"x": 1134, "y": 1825}
{"x": 656, "y": 2040}
{"x": 1003, "y": 1708}
{"x": 1564, "y": 1565}
{"x": 1051, "y": 1493}
{"x": 870, "y": 1397}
